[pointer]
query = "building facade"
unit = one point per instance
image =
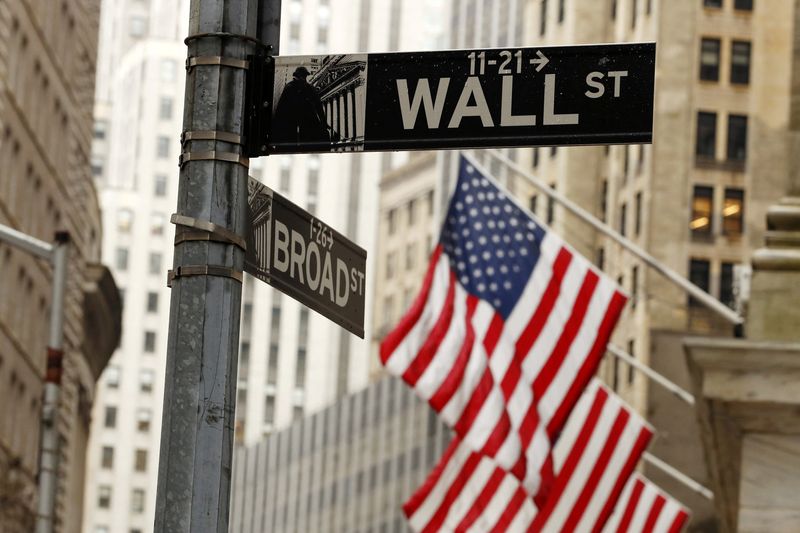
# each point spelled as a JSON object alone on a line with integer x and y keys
{"x": 347, "y": 468}
{"x": 47, "y": 70}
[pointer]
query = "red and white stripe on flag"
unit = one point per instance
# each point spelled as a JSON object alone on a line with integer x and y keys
{"x": 509, "y": 327}
{"x": 594, "y": 458}
{"x": 644, "y": 508}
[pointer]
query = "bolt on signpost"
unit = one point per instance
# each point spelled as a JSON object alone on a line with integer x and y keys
{"x": 242, "y": 101}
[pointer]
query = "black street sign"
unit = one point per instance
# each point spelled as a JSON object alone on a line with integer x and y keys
{"x": 299, "y": 255}
{"x": 566, "y": 95}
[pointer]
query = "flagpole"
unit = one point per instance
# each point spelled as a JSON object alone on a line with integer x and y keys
{"x": 678, "y": 475}
{"x": 696, "y": 292}
{"x": 652, "y": 374}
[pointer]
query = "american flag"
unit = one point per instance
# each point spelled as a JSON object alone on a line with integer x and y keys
{"x": 593, "y": 459}
{"x": 507, "y": 330}
{"x": 644, "y": 508}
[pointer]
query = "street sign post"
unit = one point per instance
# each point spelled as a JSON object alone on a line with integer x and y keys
{"x": 566, "y": 95}
{"x": 301, "y": 256}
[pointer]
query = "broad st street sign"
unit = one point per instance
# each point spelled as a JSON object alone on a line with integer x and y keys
{"x": 567, "y": 95}
{"x": 299, "y": 255}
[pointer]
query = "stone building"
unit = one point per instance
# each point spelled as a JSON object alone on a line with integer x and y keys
{"x": 347, "y": 468}
{"x": 47, "y": 69}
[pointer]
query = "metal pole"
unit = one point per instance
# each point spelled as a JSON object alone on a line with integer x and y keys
{"x": 696, "y": 292}
{"x": 678, "y": 475}
{"x": 194, "y": 471}
{"x": 26, "y": 243}
{"x": 650, "y": 373}
{"x": 48, "y": 455}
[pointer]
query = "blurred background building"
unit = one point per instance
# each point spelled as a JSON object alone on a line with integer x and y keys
{"x": 47, "y": 71}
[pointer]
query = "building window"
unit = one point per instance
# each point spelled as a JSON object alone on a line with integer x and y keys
{"x": 269, "y": 409}
{"x": 140, "y": 460}
{"x": 157, "y": 223}
{"x": 143, "y": 419}
{"x": 634, "y": 8}
{"x": 601, "y": 258}
{"x": 726, "y": 295}
{"x": 388, "y": 311}
{"x": 297, "y": 412}
{"x": 286, "y": 174}
{"x": 121, "y": 259}
{"x": 160, "y": 185}
{"x": 535, "y": 157}
{"x": 737, "y": 138}
{"x": 699, "y": 272}
{"x": 702, "y": 207}
{"x": 392, "y": 221}
{"x": 532, "y": 203}
{"x": 300, "y": 370}
{"x": 709, "y": 59}
{"x": 152, "y": 302}
{"x": 706, "y": 135}
{"x": 137, "y": 501}
{"x": 149, "y": 341}
{"x": 743, "y": 5}
{"x": 553, "y": 151}
{"x": 162, "y": 147}
{"x": 561, "y": 10}
{"x": 623, "y": 219}
{"x": 637, "y": 215}
{"x": 168, "y": 70}
{"x": 631, "y": 352}
{"x": 124, "y": 220}
{"x": 104, "y": 497}
{"x": 107, "y": 457}
{"x": 165, "y": 108}
{"x": 412, "y": 208}
{"x": 110, "y": 417}
{"x": 138, "y": 27}
{"x": 390, "y": 261}
{"x": 712, "y": 3}
{"x": 613, "y": 9}
{"x": 272, "y": 368}
{"x": 551, "y": 208}
{"x": 733, "y": 212}
{"x": 112, "y": 374}
{"x": 411, "y": 256}
{"x": 740, "y": 62}
{"x": 147, "y": 379}
{"x": 154, "y": 263}
{"x": 634, "y": 286}
{"x": 431, "y": 206}
{"x": 543, "y": 17}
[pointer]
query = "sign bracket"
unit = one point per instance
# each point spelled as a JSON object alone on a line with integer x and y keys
{"x": 185, "y": 271}
{"x": 258, "y": 105}
{"x": 208, "y": 232}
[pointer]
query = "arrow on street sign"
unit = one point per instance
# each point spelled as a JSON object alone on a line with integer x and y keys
{"x": 566, "y": 95}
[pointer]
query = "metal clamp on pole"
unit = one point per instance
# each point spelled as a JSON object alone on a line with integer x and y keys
{"x": 226, "y": 35}
{"x": 217, "y": 61}
{"x": 208, "y": 232}
{"x": 203, "y": 270}
{"x": 213, "y": 155}
{"x": 210, "y": 135}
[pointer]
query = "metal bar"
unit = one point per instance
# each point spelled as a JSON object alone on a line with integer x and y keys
{"x": 27, "y": 243}
{"x": 678, "y": 475}
{"x": 194, "y": 471}
{"x": 269, "y": 25}
{"x": 696, "y": 292}
{"x": 652, "y": 374}
{"x": 49, "y": 452}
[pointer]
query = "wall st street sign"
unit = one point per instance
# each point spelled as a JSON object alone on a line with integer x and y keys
{"x": 566, "y": 95}
{"x": 299, "y": 255}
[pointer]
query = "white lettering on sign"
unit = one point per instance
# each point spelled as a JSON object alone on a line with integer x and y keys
{"x": 506, "y": 116}
{"x": 550, "y": 116}
{"x": 312, "y": 266}
{"x": 593, "y": 81}
{"x": 472, "y": 102}
{"x": 422, "y": 96}
{"x": 472, "y": 89}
